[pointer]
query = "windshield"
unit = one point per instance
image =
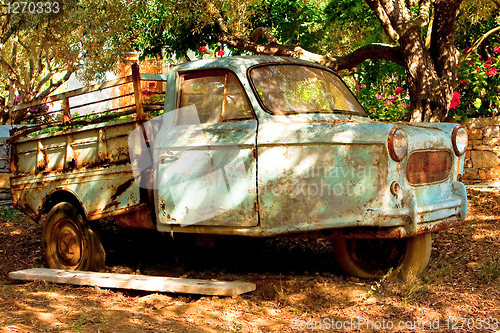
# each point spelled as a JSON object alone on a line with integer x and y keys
{"x": 293, "y": 89}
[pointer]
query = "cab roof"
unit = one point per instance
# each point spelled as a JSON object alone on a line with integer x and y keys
{"x": 238, "y": 63}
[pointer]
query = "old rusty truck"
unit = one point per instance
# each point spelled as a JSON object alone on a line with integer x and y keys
{"x": 253, "y": 146}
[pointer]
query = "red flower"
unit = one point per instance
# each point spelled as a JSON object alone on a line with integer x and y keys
{"x": 398, "y": 91}
{"x": 470, "y": 62}
{"x": 496, "y": 49}
{"x": 492, "y": 72}
{"x": 487, "y": 65}
{"x": 478, "y": 70}
{"x": 202, "y": 49}
{"x": 455, "y": 100}
{"x": 467, "y": 49}
{"x": 463, "y": 81}
{"x": 220, "y": 53}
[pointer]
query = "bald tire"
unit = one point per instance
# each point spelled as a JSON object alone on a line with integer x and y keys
{"x": 69, "y": 242}
{"x": 373, "y": 258}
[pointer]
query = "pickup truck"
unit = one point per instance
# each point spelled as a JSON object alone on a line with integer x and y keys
{"x": 251, "y": 146}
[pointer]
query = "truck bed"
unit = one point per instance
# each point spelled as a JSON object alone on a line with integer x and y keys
{"x": 86, "y": 161}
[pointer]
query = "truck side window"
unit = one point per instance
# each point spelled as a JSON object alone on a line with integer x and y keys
{"x": 217, "y": 95}
{"x": 236, "y": 105}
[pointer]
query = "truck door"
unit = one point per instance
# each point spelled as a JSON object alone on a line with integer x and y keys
{"x": 206, "y": 174}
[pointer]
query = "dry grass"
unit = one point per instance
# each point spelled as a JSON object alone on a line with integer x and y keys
{"x": 296, "y": 283}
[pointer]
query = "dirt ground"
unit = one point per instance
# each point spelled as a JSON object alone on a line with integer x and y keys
{"x": 299, "y": 288}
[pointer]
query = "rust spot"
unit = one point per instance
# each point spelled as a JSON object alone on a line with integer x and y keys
{"x": 111, "y": 204}
{"x": 122, "y": 188}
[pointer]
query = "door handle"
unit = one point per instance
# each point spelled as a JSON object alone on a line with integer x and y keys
{"x": 168, "y": 157}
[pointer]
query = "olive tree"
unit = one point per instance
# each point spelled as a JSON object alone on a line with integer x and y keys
{"x": 39, "y": 51}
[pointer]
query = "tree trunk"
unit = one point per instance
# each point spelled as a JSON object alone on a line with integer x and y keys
{"x": 422, "y": 79}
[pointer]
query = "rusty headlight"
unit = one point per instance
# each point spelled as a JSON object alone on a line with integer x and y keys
{"x": 459, "y": 139}
{"x": 397, "y": 144}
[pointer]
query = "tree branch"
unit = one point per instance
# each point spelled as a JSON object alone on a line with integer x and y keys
{"x": 371, "y": 51}
{"x": 418, "y": 23}
{"x": 377, "y": 8}
{"x": 477, "y": 43}
{"x": 53, "y": 86}
{"x": 266, "y": 33}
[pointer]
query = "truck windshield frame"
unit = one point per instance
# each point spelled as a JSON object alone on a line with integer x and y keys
{"x": 288, "y": 89}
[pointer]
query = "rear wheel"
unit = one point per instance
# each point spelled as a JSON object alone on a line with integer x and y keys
{"x": 373, "y": 258}
{"x": 68, "y": 241}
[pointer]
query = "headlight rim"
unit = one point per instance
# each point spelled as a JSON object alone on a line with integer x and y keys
{"x": 454, "y": 134}
{"x": 390, "y": 144}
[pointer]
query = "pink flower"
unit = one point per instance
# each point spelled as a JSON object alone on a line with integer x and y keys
{"x": 202, "y": 49}
{"x": 492, "y": 59}
{"x": 220, "y": 53}
{"x": 18, "y": 97}
{"x": 363, "y": 86}
{"x": 478, "y": 70}
{"x": 404, "y": 105}
{"x": 492, "y": 72}
{"x": 379, "y": 96}
{"x": 455, "y": 100}
{"x": 398, "y": 91}
{"x": 392, "y": 97}
{"x": 480, "y": 57}
{"x": 496, "y": 49}
{"x": 487, "y": 65}
{"x": 470, "y": 62}
{"x": 388, "y": 102}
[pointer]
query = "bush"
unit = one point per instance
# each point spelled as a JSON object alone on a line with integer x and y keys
{"x": 478, "y": 87}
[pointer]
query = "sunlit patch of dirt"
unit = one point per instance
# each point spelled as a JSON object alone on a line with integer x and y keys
{"x": 298, "y": 284}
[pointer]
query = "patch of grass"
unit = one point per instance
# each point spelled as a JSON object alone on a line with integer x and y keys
{"x": 376, "y": 286}
{"x": 489, "y": 271}
{"x": 236, "y": 328}
{"x": 79, "y": 325}
{"x": 10, "y": 214}
{"x": 412, "y": 289}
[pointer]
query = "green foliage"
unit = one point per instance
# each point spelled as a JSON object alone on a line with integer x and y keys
{"x": 10, "y": 214}
{"x": 479, "y": 87}
{"x": 293, "y": 22}
{"x": 39, "y": 52}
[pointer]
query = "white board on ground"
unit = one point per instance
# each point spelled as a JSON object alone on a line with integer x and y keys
{"x": 136, "y": 282}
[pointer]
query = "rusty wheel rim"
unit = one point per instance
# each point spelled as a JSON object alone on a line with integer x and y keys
{"x": 377, "y": 256}
{"x": 69, "y": 243}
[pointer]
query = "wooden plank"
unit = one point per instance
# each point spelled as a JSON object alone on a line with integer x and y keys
{"x": 136, "y": 282}
{"x": 136, "y": 81}
{"x": 77, "y": 92}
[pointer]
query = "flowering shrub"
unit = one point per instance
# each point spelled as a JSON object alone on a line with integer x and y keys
{"x": 381, "y": 90}
{"x": 385, "y": 106}
{"x": 477, "y": 90}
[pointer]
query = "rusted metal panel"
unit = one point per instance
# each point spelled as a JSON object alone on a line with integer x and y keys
{"x": 139, "y": 219}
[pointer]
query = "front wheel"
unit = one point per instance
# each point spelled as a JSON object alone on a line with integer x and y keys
{"x": 373, "y": 258}
{"x": 69, "y": 243}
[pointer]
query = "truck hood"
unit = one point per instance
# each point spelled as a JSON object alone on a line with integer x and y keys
{"x": 421, "y": 136}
